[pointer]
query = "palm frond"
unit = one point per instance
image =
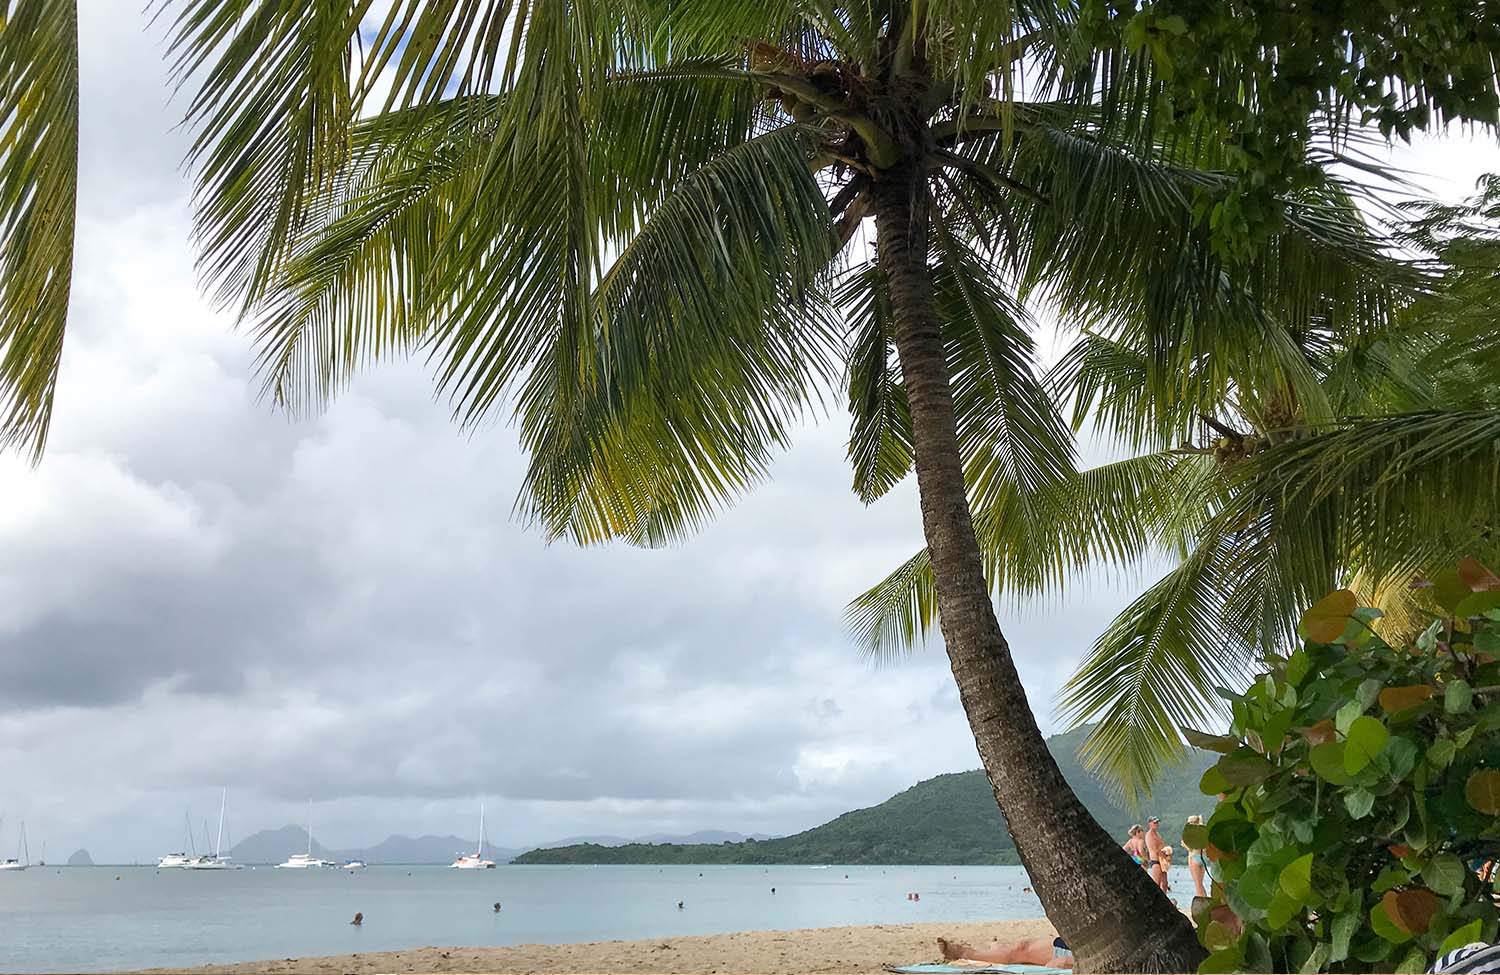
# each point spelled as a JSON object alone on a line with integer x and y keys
{"x": 38, "y": 196}
{"x": 671, "y": 401}
{"x": 1154, "y": 671}
{"x": 880, "y": 442}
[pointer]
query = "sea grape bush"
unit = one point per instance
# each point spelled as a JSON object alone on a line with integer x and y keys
{"x": 1361, "y": 788}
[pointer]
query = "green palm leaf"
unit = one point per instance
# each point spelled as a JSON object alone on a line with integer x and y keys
{"x": 38, "y": 196}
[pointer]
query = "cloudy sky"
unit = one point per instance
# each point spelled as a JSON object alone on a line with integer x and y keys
{"x": 197, "y": 592}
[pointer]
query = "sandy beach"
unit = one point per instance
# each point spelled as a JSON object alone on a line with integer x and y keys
{"x": 838, "y": 950}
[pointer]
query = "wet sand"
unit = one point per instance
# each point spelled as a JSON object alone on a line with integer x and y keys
{"x": 843, "y": 951}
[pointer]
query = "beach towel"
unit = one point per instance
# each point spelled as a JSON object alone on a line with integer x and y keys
{"x": 941, "y": 969}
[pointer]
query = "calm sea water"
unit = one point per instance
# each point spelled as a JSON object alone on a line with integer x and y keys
{"x": 101, "y": 918}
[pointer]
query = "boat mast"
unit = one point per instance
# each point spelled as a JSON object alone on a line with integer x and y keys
{"x": 25, "y": 850}
{"x": 219, "y": 843}
{"x": 309, "y": 829}
{"x": 480, "y": 854}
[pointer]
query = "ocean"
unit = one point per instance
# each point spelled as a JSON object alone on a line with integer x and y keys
{"x": 82, "y": 919}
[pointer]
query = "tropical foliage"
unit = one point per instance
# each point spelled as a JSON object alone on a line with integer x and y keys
{"x": 1266, "y": 72}
{"x": 1361, "y": 787}
{"x": 1350, "y": 438}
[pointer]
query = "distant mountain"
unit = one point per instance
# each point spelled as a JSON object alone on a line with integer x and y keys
{"x": 81, "y": 859}
{"x": 702, "y": 836}
{"x": 275, "y": 845}
{"x": 950, "y": 819}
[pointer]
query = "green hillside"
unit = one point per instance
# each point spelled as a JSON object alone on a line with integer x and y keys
{"x": 950, "y": 819}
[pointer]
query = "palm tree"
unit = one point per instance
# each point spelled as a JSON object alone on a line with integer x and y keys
{"x": 641, "y": 228}
{"x": 1365, "y": 455}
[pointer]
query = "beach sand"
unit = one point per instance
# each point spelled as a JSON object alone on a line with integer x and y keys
{"x": 836, "y": 950}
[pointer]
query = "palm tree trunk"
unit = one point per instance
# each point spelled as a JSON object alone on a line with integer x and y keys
{"x": 1108, "y": 909}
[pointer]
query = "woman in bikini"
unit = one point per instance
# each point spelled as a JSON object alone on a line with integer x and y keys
{"x": 1136, "y": 845}
{"x": 1197, "y": 860}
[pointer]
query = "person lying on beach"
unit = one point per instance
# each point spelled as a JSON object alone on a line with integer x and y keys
{"x": 1046, "y": 952}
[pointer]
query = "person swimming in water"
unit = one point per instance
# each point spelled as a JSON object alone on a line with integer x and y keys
{"x": 359, "y": 919}
{"x": 1044, "y": 952}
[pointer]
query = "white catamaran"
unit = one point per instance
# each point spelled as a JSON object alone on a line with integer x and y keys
{"x": 215, "y": 860}
{"x": 24, "y": 860}
{"x": 306, "y": 861}
{"x": 476, "y": 860}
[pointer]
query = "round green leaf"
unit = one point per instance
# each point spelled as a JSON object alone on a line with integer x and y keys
{"x": 1195, "y": 835}
{"x": 1224, "y": 960}
{"x": 1458, "y": 695}
{"x": 1477, "y": 604}
{"x": 1359, "y": 802}
{"x": 1324, "y": 622}
{"x": 1327, "y": 760}
{"x": 1259, "y": 885}
{"x": 1244, "y": 767}
{"x": 1444, "y": 873}
{"x": 1213, "y": 782}
{"x": 1296, "y": 879}
{"x": 1440, "y": 753}
{"x": 1367, "y": 736}
{"x": 1468, "y": 934}
{"x": 1450, "y": 589}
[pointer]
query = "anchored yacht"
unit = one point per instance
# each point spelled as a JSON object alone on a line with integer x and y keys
{"x": 476, "y": 860}
{"x": 306, "y": 861}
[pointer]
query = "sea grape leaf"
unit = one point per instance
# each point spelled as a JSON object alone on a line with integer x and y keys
{"x": 1366, "y": 737}
{"x": 1317, "y": 959}
{"x": 1440, "y": 753}
{"x": 1259, "y": 885}
{"x": 1397, "y": 699}
{"x": 1296, "y": 879}
{"x": 1458, "y": 695}
{"x": 1213, "y": 782}
{"x": 1415, "y": 961}
{"x": 1476, "y": 575}
{"x": 1222, "y": 961}
{"x": 1223, "y": 744}
{"x": 1359, "y": 802}
{"x": 1383, "y": 924}
{"x": 1327, "y": 760}
{"x": 1477, "y": 604}
{"x": 1342, "y": 930}
{"x": 1297, "y": 666}
{"x": 1466, "y": 935}
{"x": 1483, "y": 791}
{"x": 1325, "y": 620}
{"x": 1318, "y": 733}
{"x": 1343, "y": 719}
{"x": 1449, "y": 589}
{"x": 1444, "y": 873}
{"x": 1245, "y": 768}
{"x": 1412, "y": 909}
{"x": 1195, "y": 835}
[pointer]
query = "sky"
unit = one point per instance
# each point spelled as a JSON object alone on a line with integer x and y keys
{"x": 198, "y": 592}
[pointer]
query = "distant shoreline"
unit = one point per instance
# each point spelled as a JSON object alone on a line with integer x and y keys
{"x": 853, "y": 950}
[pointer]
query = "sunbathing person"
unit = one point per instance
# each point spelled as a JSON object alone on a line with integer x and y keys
{"x": 1046, "y": 952}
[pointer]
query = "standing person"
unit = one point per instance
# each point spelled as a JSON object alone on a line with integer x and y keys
{"x": 1136, "y": 845}
{"x": 1197, "y": 861}
{"x": 1154, "y": 846}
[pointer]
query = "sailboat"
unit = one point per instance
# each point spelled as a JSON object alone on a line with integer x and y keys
{"x": 180, "y": 860}
{"x": 476, "y": 860}
{"x": 215, "y": 860}
{"x": 25, "y": 860}
{"x": 306, "y": 861}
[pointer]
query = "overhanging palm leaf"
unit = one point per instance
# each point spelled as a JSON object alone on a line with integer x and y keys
{"x": 38, "y": 195}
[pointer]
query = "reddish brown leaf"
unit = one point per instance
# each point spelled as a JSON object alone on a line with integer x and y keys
{"x": 1317, "y": 734}
{"x": 1483, "y": 791}
{"x": 1411, "y": 910}
{"x": 1477, "y": 575}
{"x": 1399, "y": 850}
